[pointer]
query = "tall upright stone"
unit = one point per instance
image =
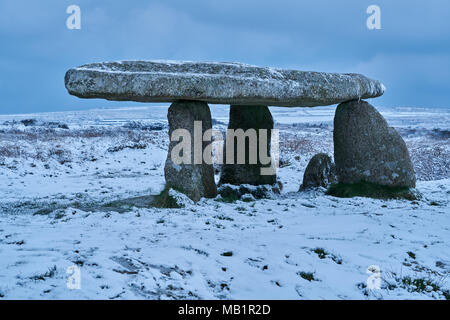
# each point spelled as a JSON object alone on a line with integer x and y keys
{"x": 196, "y": 177}
{"x": 367, "y": 149}
{"x": 245, "y": 119}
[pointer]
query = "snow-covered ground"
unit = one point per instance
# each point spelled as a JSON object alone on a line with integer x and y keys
{"x": 59, "y": 170}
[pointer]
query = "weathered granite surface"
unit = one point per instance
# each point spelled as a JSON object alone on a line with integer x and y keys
{"x": 194, "y": 180}
{"x": 214, "y": 82}
{"x": 320, "y": 172}
{"x": 367, "y": 149}
{"x": 248, "y": 117}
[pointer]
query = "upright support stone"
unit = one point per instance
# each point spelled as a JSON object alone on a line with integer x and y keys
{"x": 194, "y": 176}
{"x": 367, "y": 149}
{"x": 254, "y": 117}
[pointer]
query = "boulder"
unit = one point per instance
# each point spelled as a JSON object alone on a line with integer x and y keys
{"x": 367, "y": 149}
{"x": 245, "y": 118}
{"x": 214, "y": 82}
{"x": 195, "y": 179}
{"x": 248, "y": 193}
{"x": 320, "y": 172}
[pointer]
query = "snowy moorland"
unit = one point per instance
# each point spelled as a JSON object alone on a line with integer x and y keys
{"x": 65, "y": 178}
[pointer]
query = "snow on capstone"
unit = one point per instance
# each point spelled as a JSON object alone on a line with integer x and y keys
{"x": 216, "y": 83}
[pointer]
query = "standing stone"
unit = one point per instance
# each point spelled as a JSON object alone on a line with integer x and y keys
{"x": 320, "y": 172}
{"x": 248, "y": 117}
{"x": 195, "y": 180}
{"x": 367, "y": 149}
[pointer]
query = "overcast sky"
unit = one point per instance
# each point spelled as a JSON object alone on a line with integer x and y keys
{"x": 410, "y": 54}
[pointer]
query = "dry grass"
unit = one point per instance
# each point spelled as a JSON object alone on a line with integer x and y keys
{"x": 429, "y": 150}
{"x": 431, "y": 159}
{"x": 43, "y": 144}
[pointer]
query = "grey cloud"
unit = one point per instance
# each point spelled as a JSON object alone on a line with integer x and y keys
{"x": 411, "y": 54}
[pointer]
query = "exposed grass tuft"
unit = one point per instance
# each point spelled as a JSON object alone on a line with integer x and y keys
{"x": 165, "y": 200}
{"x": 228, "y": 198}
{"x": 49, "y": 274}
{"x": 43, "y": 212}
{"x": 321, "y": 253}
{"x": 309, "y": 276}
{"x": 371, "y": 190}
{"x": 227, "y": 254}
{"x": 424, "y": 285}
